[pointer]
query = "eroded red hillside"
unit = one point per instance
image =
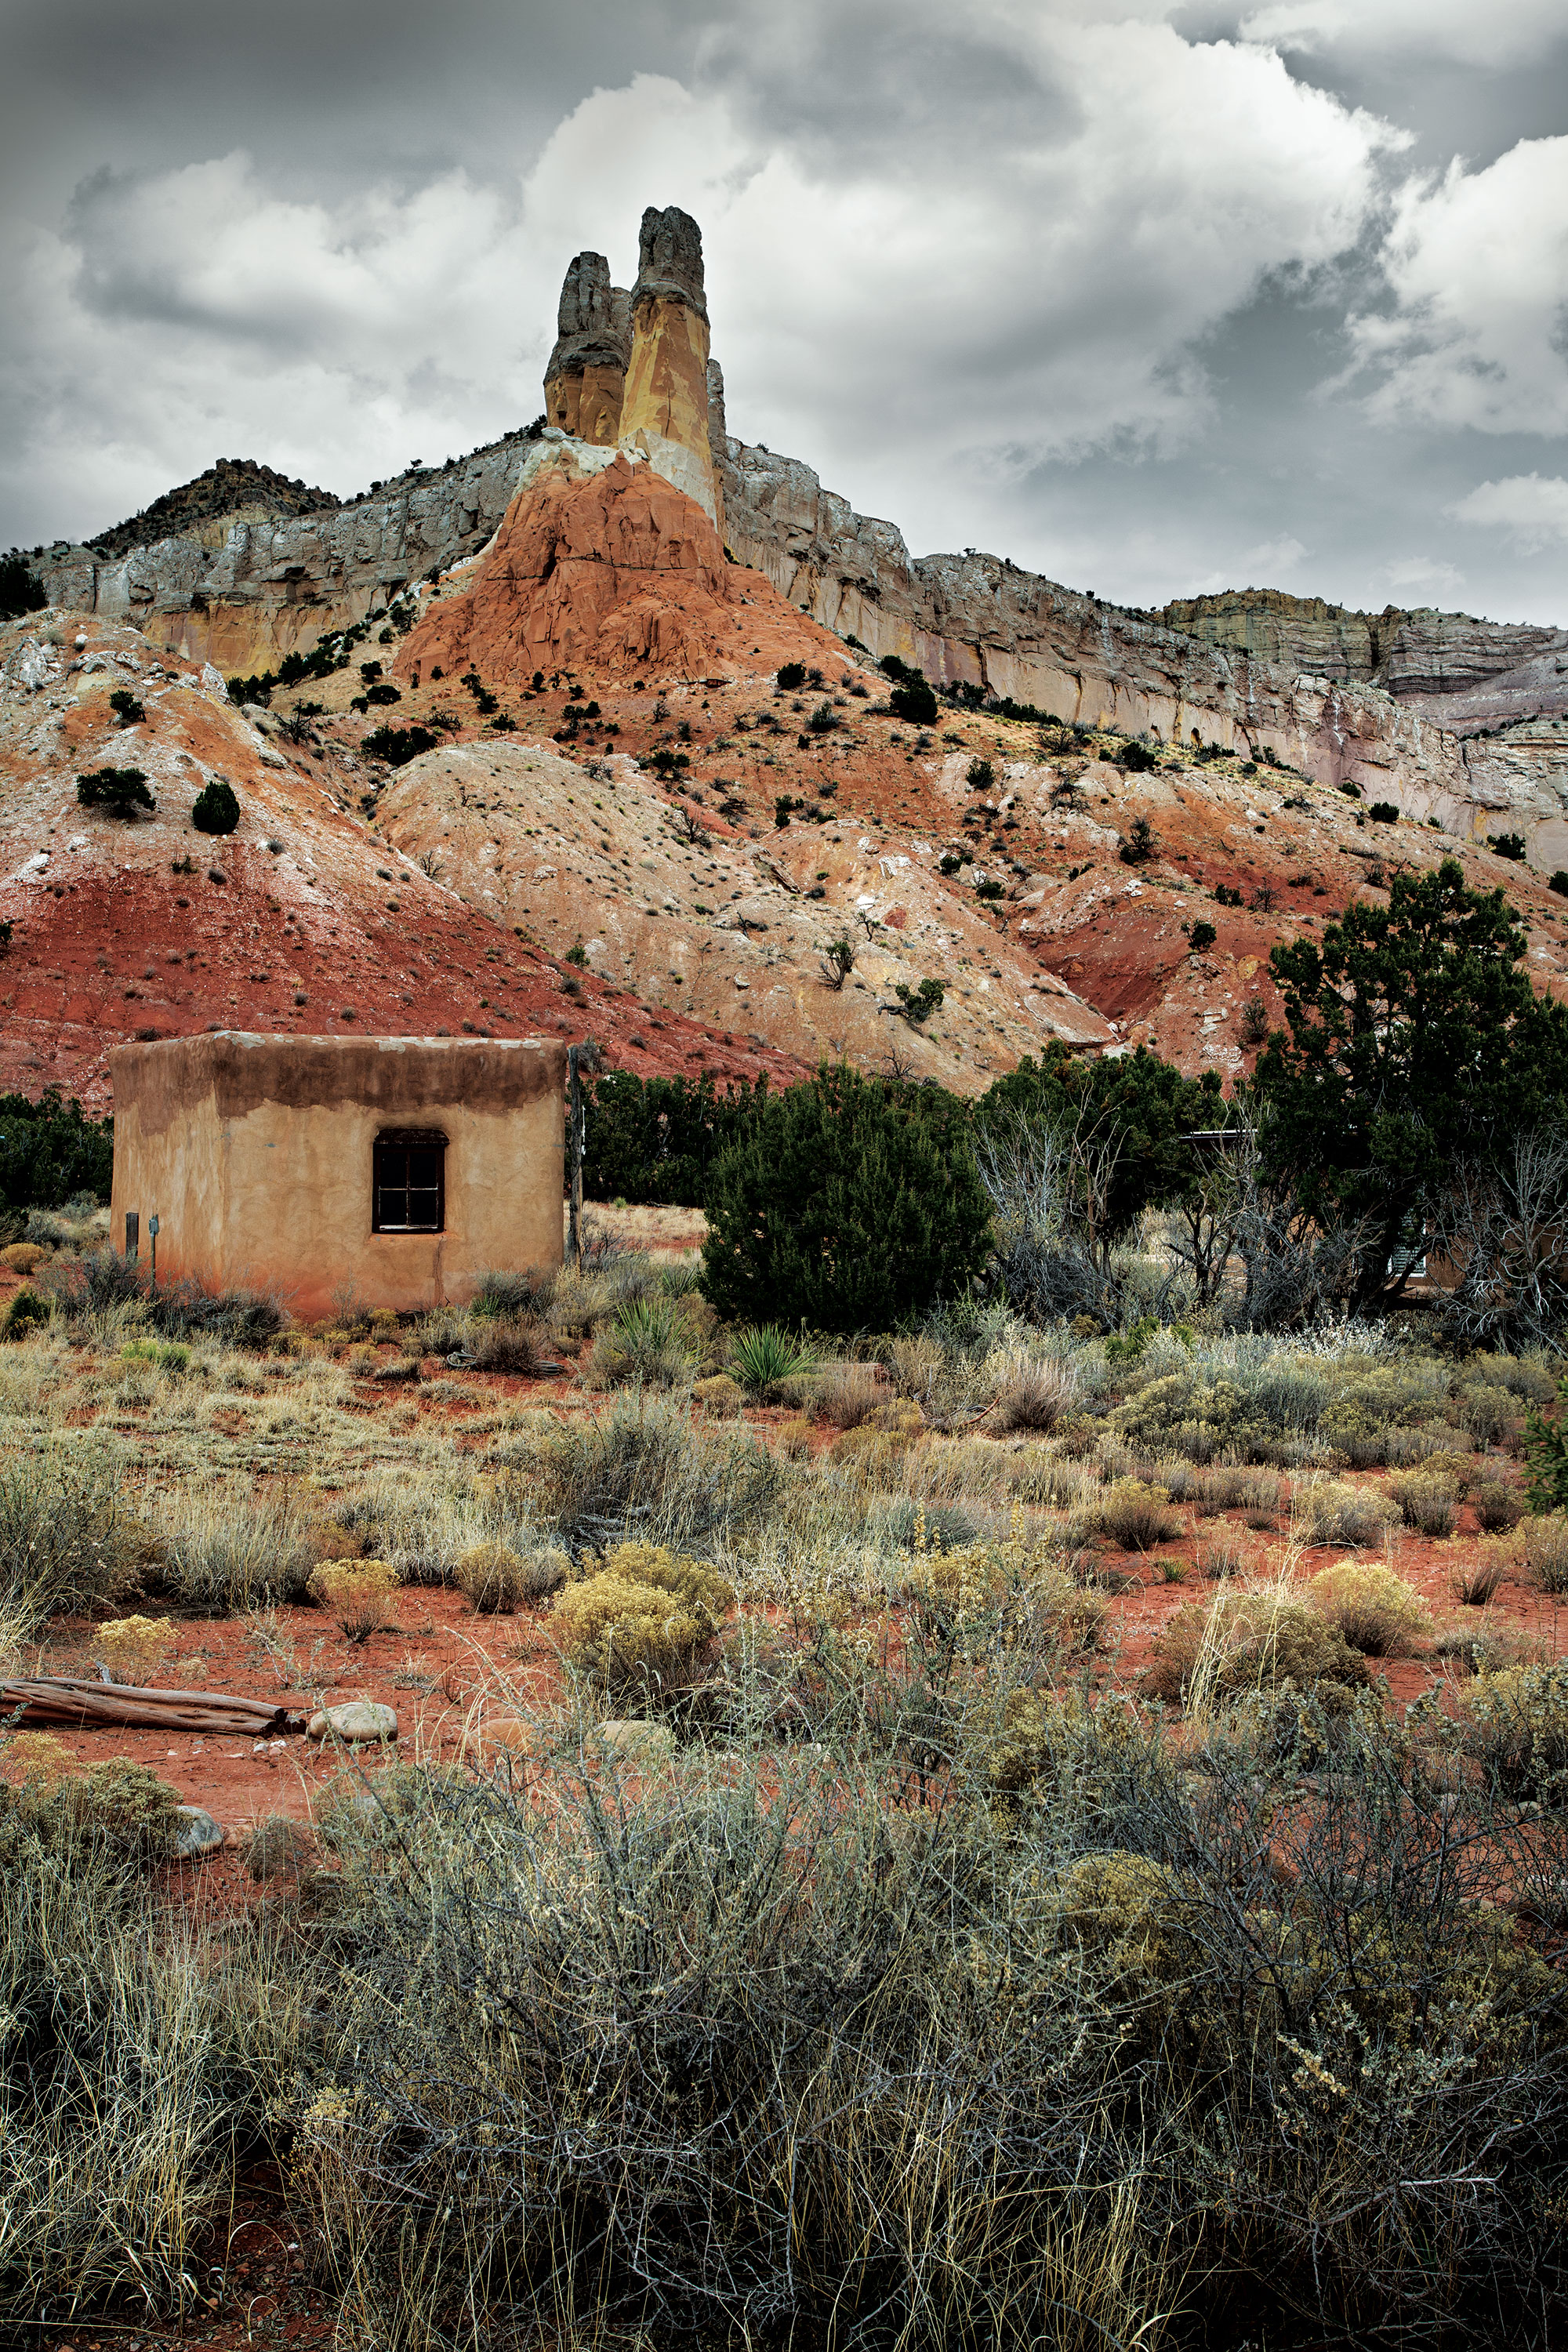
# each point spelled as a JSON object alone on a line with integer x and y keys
{"x": 301, "y": 920}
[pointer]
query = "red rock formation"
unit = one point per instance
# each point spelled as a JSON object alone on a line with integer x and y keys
{"x": 609, "y": 571}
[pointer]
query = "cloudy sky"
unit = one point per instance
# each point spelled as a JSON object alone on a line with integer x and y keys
{"x": 1152, "y": 298}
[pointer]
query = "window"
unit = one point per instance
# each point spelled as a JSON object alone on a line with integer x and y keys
{"x": 408, "y": 1188}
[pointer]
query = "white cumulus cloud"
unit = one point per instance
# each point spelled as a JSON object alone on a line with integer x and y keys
{"x": 1477, "y": 268}
{"x": 1532, "y": 509}
{"x": 1503, "y": 33}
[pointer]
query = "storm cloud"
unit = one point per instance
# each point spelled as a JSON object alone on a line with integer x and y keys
{"x": 1153, "y": 299}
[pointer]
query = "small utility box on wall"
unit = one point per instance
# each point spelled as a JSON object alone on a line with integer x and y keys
{"x": 396, "y": 1169}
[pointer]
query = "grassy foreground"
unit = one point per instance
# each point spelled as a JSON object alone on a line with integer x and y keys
{"x": 847, "y": 1953}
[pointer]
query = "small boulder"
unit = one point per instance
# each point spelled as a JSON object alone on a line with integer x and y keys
{"x": 637, "y": 1740}
{"x": 197, "y": 1834}
{"x": 499, "y": 1737}
{"x": 356, "y": 1718}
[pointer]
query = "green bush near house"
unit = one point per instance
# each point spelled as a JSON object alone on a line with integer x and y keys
{"x": 846, "y": 1203}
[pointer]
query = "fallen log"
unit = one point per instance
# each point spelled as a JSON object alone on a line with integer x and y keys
{"x": 64, "y": 1698}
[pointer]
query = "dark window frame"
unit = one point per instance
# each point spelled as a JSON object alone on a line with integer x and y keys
{"x": 387, "y": 1177}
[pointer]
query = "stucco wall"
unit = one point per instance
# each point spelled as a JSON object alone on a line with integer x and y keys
{"x": 256, "y": 1154}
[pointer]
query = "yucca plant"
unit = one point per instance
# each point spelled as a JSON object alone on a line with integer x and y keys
{"x": 764, "y": 1357}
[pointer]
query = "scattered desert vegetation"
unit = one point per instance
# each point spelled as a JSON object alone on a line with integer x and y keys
{"x": 989, "y": 1764}
{"x": 819, "y": 1846}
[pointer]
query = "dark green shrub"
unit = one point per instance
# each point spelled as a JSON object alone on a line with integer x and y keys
{"x": 837, "y": 962}
{"x": 918, "y": 1003}
{"x": 654, "y": 1139}
{"x": 1137, "y": 758}
{"x": 384, "y": 693}
{"x": 1510, "y": 845}
{"x": 21, "y": 590}
{"x": 845, "y": 1203}
{"x": 911, "y": 698}
{"x": 791, "y": 678}
{"x": 1545, "y": 1451}
{"x": 1383, "y": 813}
{"x": 119, "y": 791}
{"x": 1559, "y": 882}
{"x": 50, "y": 1152}
{"x": 914, "y": 702}
{"x": 398, "y": 745}
{"x": 215, "y": 809}
{"x": 980, "y": 775}
{"x": 1204, "y": 936}
{"x": 26, "y": 1313}
{"x": 126, "y": 707}
{"x": 1139, "y": 844}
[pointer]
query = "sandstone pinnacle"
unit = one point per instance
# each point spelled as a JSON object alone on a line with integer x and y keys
{"x": 585, "y": 379}
{"x": 663, "y": 413}
{"x": 670, "y": 260}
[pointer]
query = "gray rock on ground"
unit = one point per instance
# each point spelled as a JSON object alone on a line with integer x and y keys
{"x": 198, "y": 1836}
{"x": 355, "y": 1719}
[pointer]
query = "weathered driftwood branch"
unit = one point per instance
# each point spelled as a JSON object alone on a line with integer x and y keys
{"x": 66, "y": 1699}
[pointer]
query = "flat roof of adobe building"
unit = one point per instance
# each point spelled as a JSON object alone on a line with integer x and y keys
{"x": 243, "y": 1069}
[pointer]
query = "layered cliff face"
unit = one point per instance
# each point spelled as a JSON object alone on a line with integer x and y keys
{"x": 273, "y": 588}
{"x": 1367, "y": 701}
{"x": 1424, "y": 658}
{"x": 978, "y": 621}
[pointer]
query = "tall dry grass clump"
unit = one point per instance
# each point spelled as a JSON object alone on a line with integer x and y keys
{"x": 1033, "y": 1392}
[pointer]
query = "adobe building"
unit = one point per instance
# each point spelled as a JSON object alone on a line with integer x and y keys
{"x": 393, "y": 1170}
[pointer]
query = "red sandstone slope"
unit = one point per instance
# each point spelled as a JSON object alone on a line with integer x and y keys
{"x": 299, "y": 922}
{"x": 607, "y": 575}
{"x": 986, "y": 853}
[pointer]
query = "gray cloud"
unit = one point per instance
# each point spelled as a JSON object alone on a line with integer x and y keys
{"x": 1145, "y": 301}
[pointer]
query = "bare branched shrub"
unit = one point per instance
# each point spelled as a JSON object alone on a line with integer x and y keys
{"x": 1502, "y": 1222}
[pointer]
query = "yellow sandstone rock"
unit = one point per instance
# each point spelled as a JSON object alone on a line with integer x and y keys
{"x": 663, "y": 413}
